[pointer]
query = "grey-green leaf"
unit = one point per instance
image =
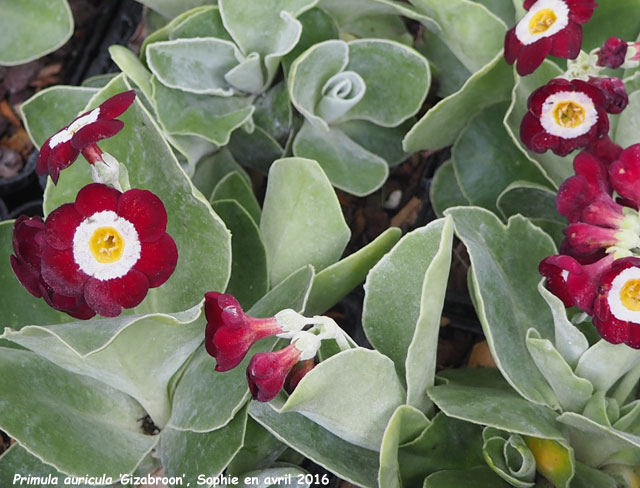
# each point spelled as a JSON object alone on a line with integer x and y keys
{"x": 336, "y": 281}
{"x": 302, "y": 222}
{"x": 72, "y": 418}
{"x": 352, "y": 394}
{"x": 505, "y": 277}
{"x": 32, "y": 28}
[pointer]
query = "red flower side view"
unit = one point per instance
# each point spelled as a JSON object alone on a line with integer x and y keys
{"x": 80, "y": 136}
{"x": 267, "y": 372}
{"x": 104, "y": 250}
{"x": 230, "y": 332}
{"x": 549, "y": 27}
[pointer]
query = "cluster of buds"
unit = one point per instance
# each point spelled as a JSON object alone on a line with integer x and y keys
{"x": 599, "y": 268}
{"x": 230, "y": 333}
{"x": 104, "y": 251}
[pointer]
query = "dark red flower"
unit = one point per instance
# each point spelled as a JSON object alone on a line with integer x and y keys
{"x": 589, "y": 183}
{"x": 27, "y": 235}
{"x": 267, "y": 372}
{"x": 107, "y": 248}
{"x": 605, "y": 149}
{"x": 563, "y": 116}
{"x": 612, "y": 53}
{"x": 549, "y": 27}
{"x": 573, "y": 283}
{"x": 624, "y": 174}
{"x": 230, "y": 332}
{"x": 616, "y": 311}
{"x": 62, "y": 148}
{"x": 614, "y": 92}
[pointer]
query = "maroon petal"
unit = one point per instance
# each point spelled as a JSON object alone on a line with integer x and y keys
{"x": 60, "y": 271}
{"x": 98, "y": 130}
{"x": 28, "y": 276}
{"x": 25, "y": 244}
{"x": 61, "y": 157}
{"x": 534, "y": 136}
{"x": 528, "y": 3}
{"x": 586, "y": 239}
{"x": 605, "y": 149}
{"x": 96, "y": 197}
{"x": 567, "y": 42}
{"x": 267, "y": 371}
{"x": 146, "y": 211}
{"x": 512, "y": 46}
{"x": 158, "y": 260}
{"x": 116, "y": 105}
{"x": 580, "y": 11}
{"x": 61, "y": 225}
{"x": 532, "y": 55}
{"x": 625, "y": 174}
{"x": 96, "y": 294}
{"x": 42, "y": 166}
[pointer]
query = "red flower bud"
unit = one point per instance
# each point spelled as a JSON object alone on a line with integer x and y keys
{"x": 612, "y": 53}
{"x": 230, "y": 333}
{"x": 267, "y": 372}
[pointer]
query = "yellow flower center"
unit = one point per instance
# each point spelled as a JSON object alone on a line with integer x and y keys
{"x": 542, "y": 20}
{"x": 106, "y": 244}
{"x": 630, "y": 295}
{"x": 569, "y": 114}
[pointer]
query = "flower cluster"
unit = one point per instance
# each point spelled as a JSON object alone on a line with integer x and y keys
{"x": 549, "y": 27}
{"x": 599, "y": 268}
{"x": 230, "y": 333}
{"x": 569, "y": 112}
{"x": 104, "y": 251}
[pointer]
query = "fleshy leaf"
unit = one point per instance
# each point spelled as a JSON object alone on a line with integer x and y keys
{"x": 626, "y": 132}
{"x": 569, "y": 341}
{"x": 505, "y": 276}
{"x": 32, "y": 28}
{"x": 211, "y": 117}
{"x": 63, "y": 409}
{"x": 441, "y": 125}
{"x": 486, "y": 161}
{"x": 187, "y": 455}
{"x": 494, "y": 406}
{"x": 268, "y": 28}
{"x": 405, "y": 425}
{"x": 604, "y": 363}
{"x": 259, "y": 450}
{"x": 348, "y": 165}
{"x": 249, "y": 276}
{"x": 445, "y": 191}
{"x": 404, "y": 294}
{"x": 385, "y": 142}
{"x": 463, "y": 23}
{"x": 571, "y": 391}
{"x": 196, "y": 65}
{"x": 337, "y": 280}
{"x": 432, "y": 450}
{"x": 212, "y": 169}
{"x": 302, "y": 222}
{"x": 509, "y": 456}
{"x": 202, "y": 239}
{"x": 349, "y": 462}
{"x": 205, "y": 399}
{"x": 109, "y": 351}
{"x": 537, "y": 203}
{"x": 352, "y": 394}
{"x": 171, "y": 8}
{"x": 596, "y": 444}
{"x": 256, "y": 150}
{"x": 17, "y": 461}
{"x": 234, "y": 186}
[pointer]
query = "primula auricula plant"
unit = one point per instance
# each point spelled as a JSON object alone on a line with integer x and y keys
{"x": 104, "y": 251}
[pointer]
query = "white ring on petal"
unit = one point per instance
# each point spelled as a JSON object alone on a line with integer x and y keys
{"x": 616, "y": 306}
{"x": 548, "y": 121}
{"x": 559, "y": 7}
{"x": 85, "y": 259}
{"x": 65, "y": 134}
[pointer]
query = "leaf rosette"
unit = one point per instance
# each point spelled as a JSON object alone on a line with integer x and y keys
{"x": 355, "y": 98}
